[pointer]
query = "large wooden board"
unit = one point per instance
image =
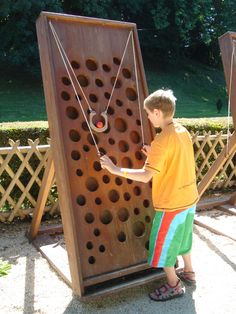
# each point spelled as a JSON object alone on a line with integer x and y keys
{"x": 106, "y": 219}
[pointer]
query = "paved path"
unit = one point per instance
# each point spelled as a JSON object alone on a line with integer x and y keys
{"x": 33, "y": 287}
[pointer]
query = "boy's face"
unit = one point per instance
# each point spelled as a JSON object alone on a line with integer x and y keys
{"x": 155, "y": 117}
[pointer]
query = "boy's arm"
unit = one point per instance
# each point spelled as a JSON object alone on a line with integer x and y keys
{"x": 142, "y": 175}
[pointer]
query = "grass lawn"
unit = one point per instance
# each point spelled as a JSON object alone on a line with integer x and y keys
{"x": 197, "y": 88}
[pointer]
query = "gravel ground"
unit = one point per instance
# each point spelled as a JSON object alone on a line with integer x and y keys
{"x": 33, "y": 287}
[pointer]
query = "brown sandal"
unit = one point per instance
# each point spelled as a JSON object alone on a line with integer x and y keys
{"x": 188, "y": 277}
{"x": 167, "y": 292}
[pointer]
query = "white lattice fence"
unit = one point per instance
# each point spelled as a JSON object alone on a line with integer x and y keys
{"x": 206, "y": 149}
{"x": 21, "y": 172}
{"x": 22, "y": 169}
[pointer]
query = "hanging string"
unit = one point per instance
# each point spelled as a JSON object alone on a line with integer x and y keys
{"x": 73, "y": 86}
{"x": 118, "y": 72}
{"x": 137, "y": 86}
{"x": 229, "y": 100}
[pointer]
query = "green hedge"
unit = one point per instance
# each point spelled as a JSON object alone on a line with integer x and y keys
{"x": 39, "y": 129}
{"x": 23, "y": 131}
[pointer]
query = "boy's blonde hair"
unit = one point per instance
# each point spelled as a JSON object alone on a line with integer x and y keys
{"x": 163, "y": 100}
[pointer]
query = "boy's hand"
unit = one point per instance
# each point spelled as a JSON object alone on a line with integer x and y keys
{"x": 106, "y": 163}
{"x": 145, "y": 149}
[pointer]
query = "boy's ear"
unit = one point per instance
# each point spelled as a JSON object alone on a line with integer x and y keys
{"x": 157, "y": 112}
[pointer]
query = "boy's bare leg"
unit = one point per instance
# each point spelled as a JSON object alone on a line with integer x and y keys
{"x": 172, "y": 278}
{"x": 187, "y": 263}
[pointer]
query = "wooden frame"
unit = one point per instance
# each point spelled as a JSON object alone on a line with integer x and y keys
{"x": 83, "y": 278}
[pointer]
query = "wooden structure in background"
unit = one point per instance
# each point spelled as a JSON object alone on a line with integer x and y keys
{"x": 106, "y": 219}
{"x": 228, "y": 52}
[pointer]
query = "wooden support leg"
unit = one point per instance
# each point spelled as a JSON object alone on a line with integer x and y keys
{"x": 42, "y": 198}
{"x": 219, "y": 162}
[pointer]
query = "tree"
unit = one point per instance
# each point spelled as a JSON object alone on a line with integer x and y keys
{"x": 17, "y": 31}
{"x": 166, "y": 27}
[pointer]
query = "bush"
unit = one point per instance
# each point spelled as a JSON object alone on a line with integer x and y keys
{"x": 39, "y": 129}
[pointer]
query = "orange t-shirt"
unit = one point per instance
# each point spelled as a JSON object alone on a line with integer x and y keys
{"x": 174, "y": 181}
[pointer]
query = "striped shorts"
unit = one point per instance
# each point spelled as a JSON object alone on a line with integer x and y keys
{"x": 171, "y": 235}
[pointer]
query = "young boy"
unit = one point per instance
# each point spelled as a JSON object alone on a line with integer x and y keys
{"x": 170, "y": 164}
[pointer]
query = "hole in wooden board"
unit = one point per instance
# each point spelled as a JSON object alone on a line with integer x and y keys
{"x": 138, "y": 155}
{"x": 127, "y": 196}
{"x": 106, "y": 67}
{"x": 136, "y": 211}
{"x": 129, "y": 112}
{"x": 113, "y": 196}
{"x": 96, "y": 232}
{"x": 129, "y": 181}
{"x": 74, "y": 135}
{"x": 119, "y": 103}
{"x": 85, "y": 126}
{"x": 102, "y": 151}
{"x": 91, "y": 64}
{"x": 93, "y": 98}
{"x": 126, "y": 162}
{"x": 105, "y": 179}
{"x": 121, "y": 236}
{"x": 138, "y": 229}
{"x": 116, "y": 61}
{"x": 111, "y": 141}
{"x": 75, "y": 65}
{"x": 75, "y": 155}
{"x": 83, "y": 80}
{"x": 92, "y": 184}
{"x": 123, "y": 214}
{"x": 120, "y": 125}
{"x": 138, "y": 122}
{"x": 89, "y": 245}
{"x": 106, "y": 217}
{"x": 147, "y": 245}
{"x": 99, "y": 82}
{"x": 137, "y": 190}
{"x": 79, "y": 172}
{"x": 146, "y": 203}
{"x": 123, "y": 146}
{"x": 126, "y": 73}
{"x": 102, "y": 248}
{"x": 72, "y": 113}
{"x": 65, "y": 80}
{"x": 86, "y": 148}
{"x": 148, "y": 219}
{"x": 131, "y": 94}
{"x": 98, "y": 201}
{"x": 89, "y": 218}
{"x": 65, "y": 96}
{"x": 91, "y": 260}
{"x": 107, "y": 95}
{"x": 97, "y": 166}
{"x": 118, "y": 181}
{"x": 135, "y": 137}
{"x": 110, "y": 110}
{"x": 81, "y": 200}
{"x": 118, "y": 82}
